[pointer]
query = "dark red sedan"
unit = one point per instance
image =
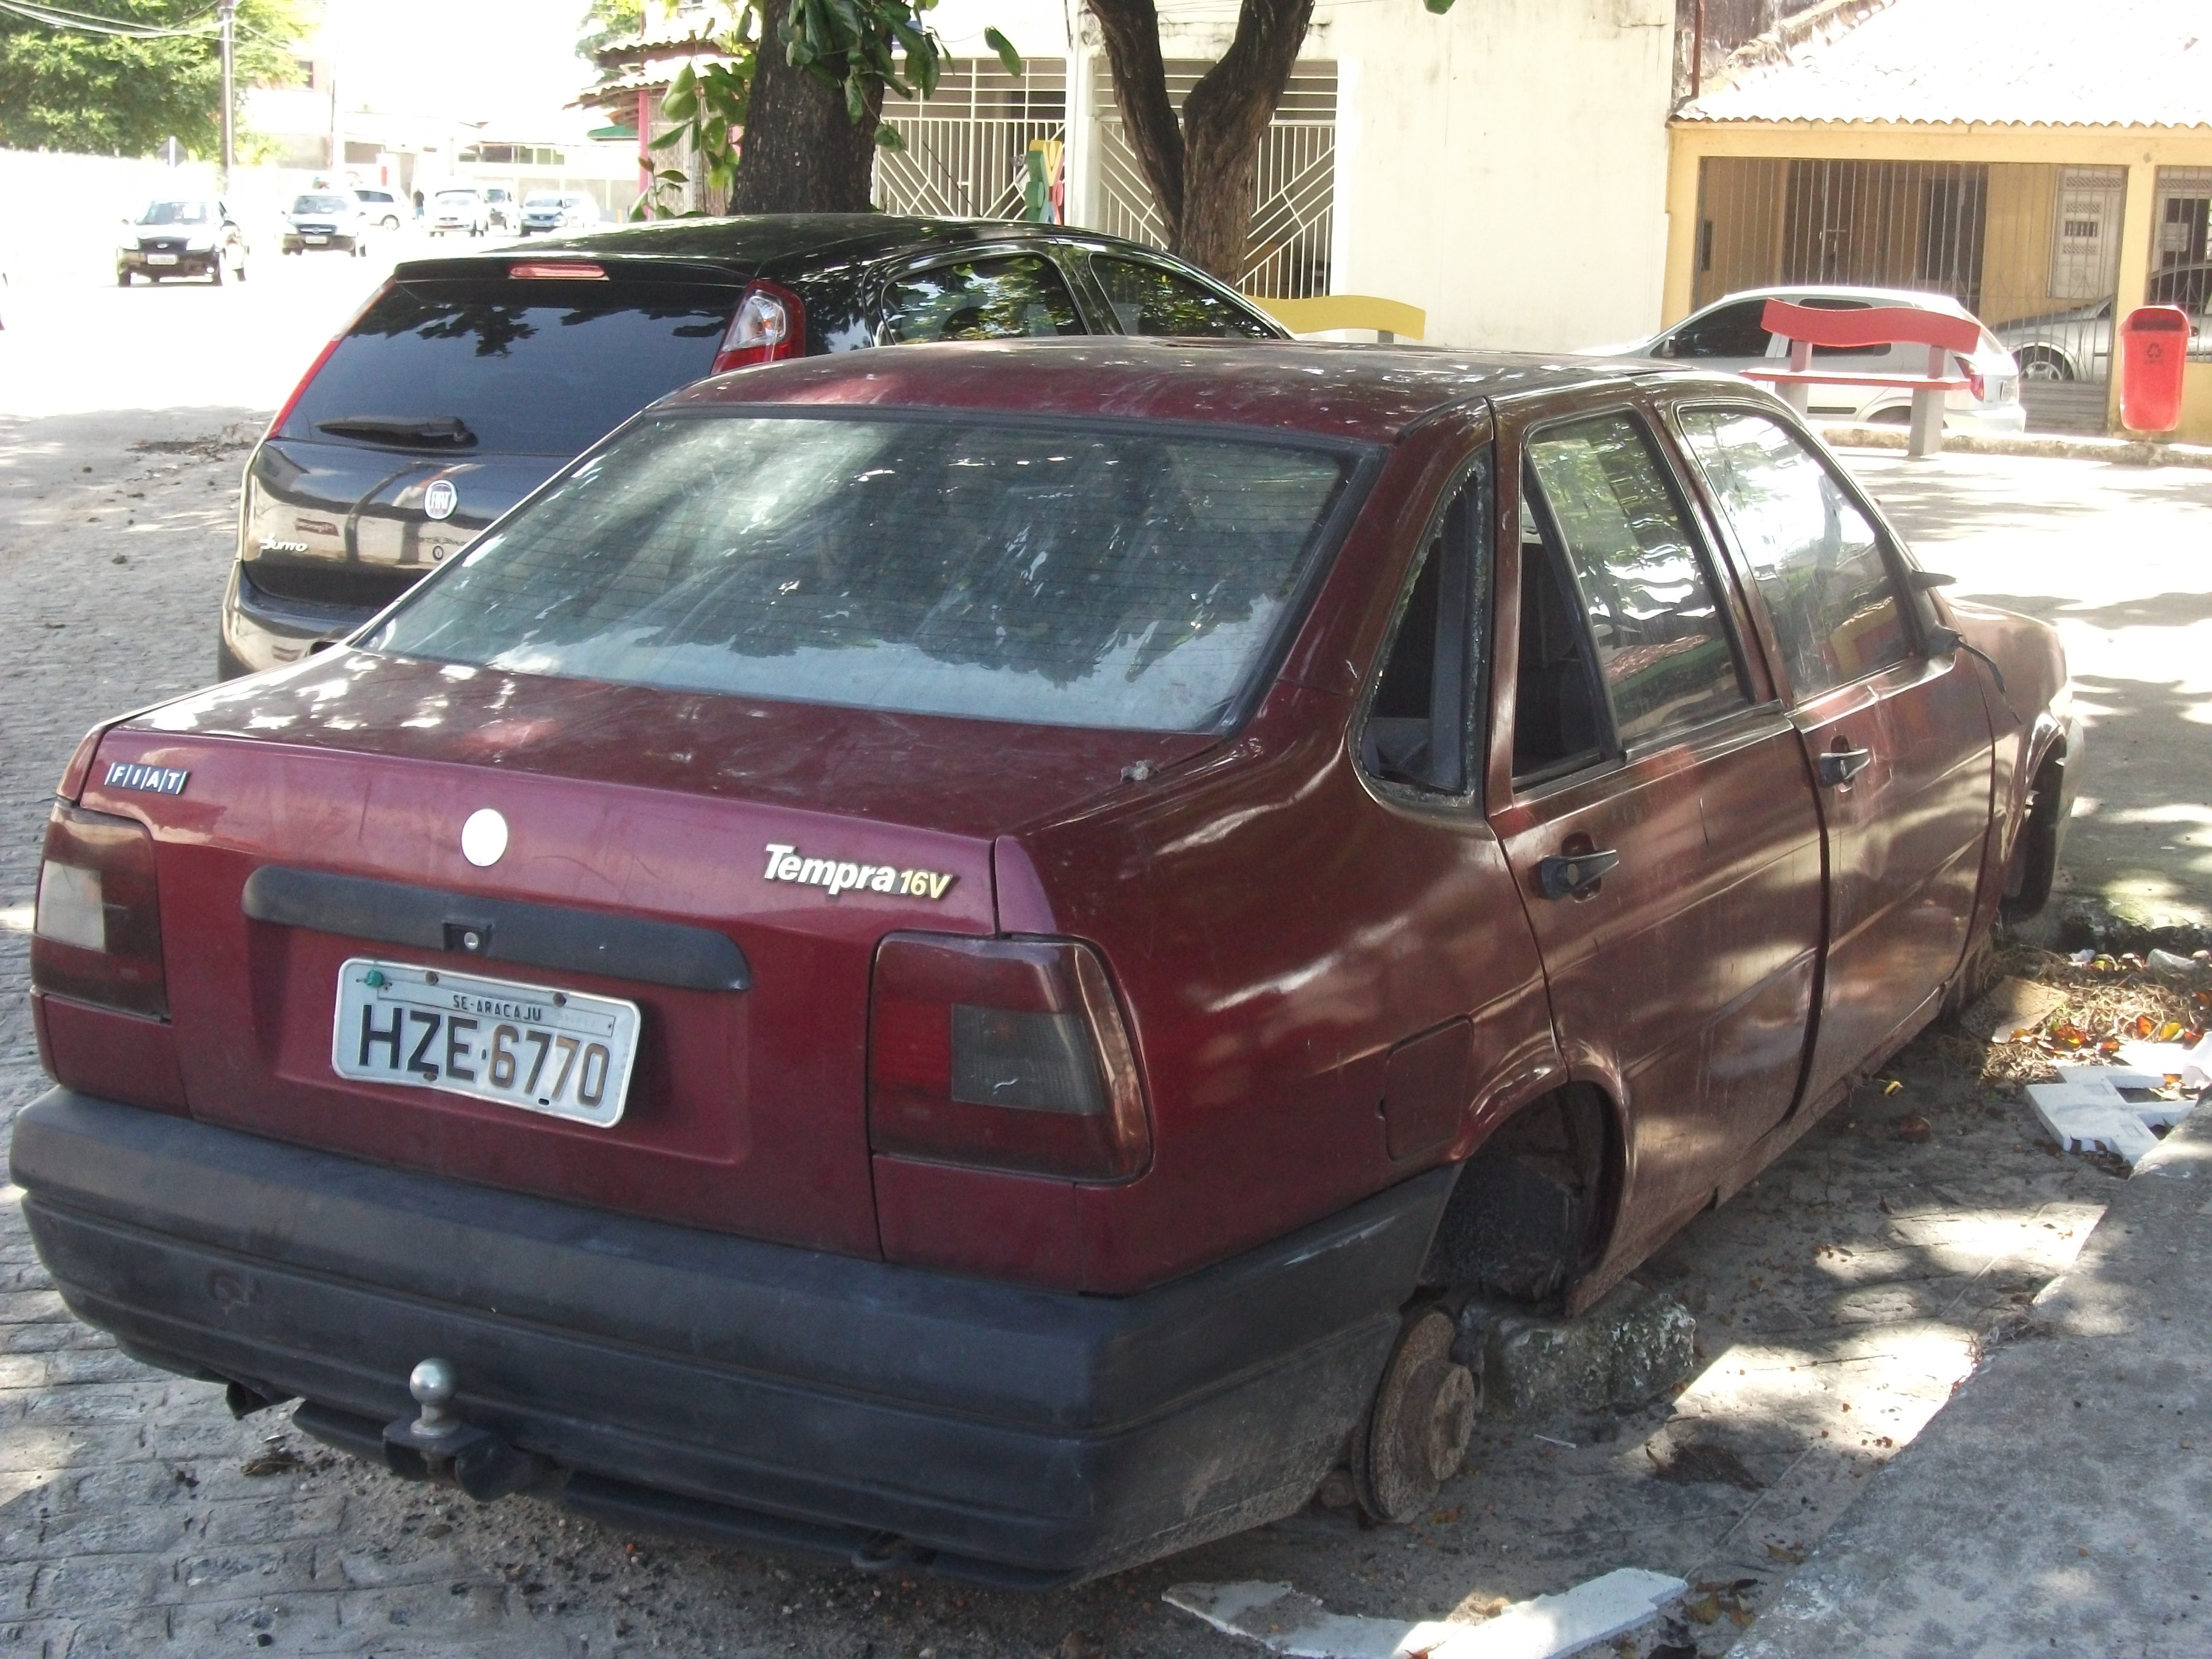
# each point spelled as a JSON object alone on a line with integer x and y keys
{"x": 965, "y": 958}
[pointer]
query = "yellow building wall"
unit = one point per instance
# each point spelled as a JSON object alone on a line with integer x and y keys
{"x": 2196, "y": 405}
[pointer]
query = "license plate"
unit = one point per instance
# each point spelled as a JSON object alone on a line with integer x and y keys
{"x": 160, "y": 259}
{"x": 561, "y": 1053}
{"x": 317, "y": 239}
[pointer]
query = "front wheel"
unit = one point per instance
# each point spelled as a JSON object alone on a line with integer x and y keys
{"x": 123, "y": 279}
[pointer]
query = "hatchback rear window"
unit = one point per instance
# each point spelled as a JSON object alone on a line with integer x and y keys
{"x": 939, "y": 566}
{"x": 525, "y": 368}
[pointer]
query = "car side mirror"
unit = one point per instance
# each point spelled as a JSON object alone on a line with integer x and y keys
{"x": 1665, "y": 348}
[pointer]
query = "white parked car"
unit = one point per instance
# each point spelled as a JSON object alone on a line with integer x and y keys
{"x": 457, "y": 212}
{"x": 1728, "y": 334}
{"x": 547, "y": 210}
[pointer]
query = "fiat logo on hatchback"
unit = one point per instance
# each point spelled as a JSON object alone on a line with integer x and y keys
{"x": 440, "y": 498}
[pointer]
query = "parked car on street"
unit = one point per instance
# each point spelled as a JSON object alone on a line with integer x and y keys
{"x": 963, "y": 959}
{"x": 2078, "y": 345}
{"x": 500, "y": 208}
{"x": 383, "y": 206}
{"x": 458, "y": 213}
{"x": 189, "y": 236}
{"x": 1728, "y": 334}
{"x": 327, "y": 219}
{"x": 549, "y": 212}
{"x": 470, "y": 379}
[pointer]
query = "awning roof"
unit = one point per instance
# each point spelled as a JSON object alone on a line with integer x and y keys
{"x": 2052, "y": 62}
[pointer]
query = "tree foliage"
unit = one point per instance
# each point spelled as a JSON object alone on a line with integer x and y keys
{"x": 606, "y": 21}
{"x": 109, "y": 95}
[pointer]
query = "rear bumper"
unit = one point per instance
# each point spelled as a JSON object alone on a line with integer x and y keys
{"x": 182, "y": 264}
{"x": 1022, "y": 1435}
{"x": 259, "y": 630}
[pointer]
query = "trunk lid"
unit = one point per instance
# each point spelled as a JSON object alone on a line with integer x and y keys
{"x": 746, "y": 1110}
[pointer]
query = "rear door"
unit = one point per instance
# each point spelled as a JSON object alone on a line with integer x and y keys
{"x": 487, "y": 382}
{"x": 1898, "y": 738}
{"x": 1661, "y": 822}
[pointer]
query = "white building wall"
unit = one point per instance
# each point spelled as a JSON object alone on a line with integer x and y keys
{"x": 1502, "y": 167}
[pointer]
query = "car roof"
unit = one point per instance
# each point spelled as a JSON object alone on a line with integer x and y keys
{"x": 750, "y": 244}
{"x": 1368, "y": 393}
{"x": 1920, "y": 298}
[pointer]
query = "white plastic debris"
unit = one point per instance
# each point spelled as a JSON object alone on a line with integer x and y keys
{"x": 1288, "y": 1622}
{"x": 2191, "y": 1064}
{"x": 2088, "y": 1112}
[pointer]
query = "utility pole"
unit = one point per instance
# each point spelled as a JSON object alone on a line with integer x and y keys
{"x": 226, "y": 11}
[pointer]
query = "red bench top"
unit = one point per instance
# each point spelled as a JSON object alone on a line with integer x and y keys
{"x": 1872, "y": 325}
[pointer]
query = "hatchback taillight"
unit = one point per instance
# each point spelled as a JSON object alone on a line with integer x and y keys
{"x": 1976, "y": 384}
{"x": 1002, "y": 1054}
{"x": 770, "y": 326}
{"x": 98, "y": 933}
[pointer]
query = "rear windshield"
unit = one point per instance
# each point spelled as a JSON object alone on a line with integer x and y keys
{"x": 1078, "y": 577}
{"x": 527, "y": 368}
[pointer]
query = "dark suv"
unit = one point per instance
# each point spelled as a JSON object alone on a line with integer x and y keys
{"x": 468, "y": 380}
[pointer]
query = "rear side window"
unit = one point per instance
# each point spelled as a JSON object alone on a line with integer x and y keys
{"x": 1815, "y": 557}
{"x": 1663, "y": 651}
{"x": 1730, "y": 330}
{"x": 979, "y": 300}
{"x": 1077, "y": 577}
{"x": 526, "y": 368}
{"x": 1148, "y": 299}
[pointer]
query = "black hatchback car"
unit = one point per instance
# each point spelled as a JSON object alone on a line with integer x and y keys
{"x": 468, "y": 380}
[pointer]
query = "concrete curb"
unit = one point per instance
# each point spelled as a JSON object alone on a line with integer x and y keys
{"x": 2122, "y": 451}
{"x": 2057, "y": 1505}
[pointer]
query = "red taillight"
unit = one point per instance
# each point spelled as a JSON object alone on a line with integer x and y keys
{"x": 322, "y": 357}
{"x": 1002, "y": 1054}
{"x": 567, "y": 270}
{"x": 769, "y": 326}
{"x": 1976, "y": 384}
{"x": 98, "y": 935}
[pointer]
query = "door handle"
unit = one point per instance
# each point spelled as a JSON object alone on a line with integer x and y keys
{"x": 1572, "y": 877}
{"x": 1839, "y": 766}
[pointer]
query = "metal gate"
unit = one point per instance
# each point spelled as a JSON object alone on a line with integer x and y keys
{"x": 966, "y": 155}
{"x": 2032, "y": 250}
{"x": 1288, "y": 253}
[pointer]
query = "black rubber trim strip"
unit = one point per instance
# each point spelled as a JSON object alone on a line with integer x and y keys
{"x": 532, "y": 935}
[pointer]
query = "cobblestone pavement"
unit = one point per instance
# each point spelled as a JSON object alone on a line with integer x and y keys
{"x": 1840, "y": 1298}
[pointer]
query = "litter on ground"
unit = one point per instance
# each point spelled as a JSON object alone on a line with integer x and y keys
{"x": 1287, "y": 1622}
{"x": 2104, "y": 1109}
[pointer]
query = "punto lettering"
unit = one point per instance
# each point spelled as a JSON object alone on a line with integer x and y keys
{"x": 837, "y": 876}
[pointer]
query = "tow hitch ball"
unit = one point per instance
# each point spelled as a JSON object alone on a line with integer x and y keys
{"x": 437, "y": 1445}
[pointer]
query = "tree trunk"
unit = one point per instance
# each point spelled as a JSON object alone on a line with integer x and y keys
{"x": 802, "y": 153}
{"x": 1202, "y": 168}
{"x": 1224, "y": 121}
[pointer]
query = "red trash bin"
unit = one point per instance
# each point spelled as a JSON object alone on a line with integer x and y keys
{"x": 2153, "y": 352}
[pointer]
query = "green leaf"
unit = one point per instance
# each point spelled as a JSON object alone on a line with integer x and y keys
{"x": 670, "y": 139}
{"x": 1439, "y": 7}
{"x": 888, "y": 136}
{"x": 1012, "y": 60}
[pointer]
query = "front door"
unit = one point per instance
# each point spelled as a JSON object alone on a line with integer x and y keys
{"x": 1659, "y": 816}
{"x": 1899, "y": 740}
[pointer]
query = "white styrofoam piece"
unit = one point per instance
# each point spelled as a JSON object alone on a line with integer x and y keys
{"x": 1286, "y": 1622}
{"x": 2094, "y": 1116}
{"x": 2192, "y": 1064}
{"x": 2117, "y": 1076}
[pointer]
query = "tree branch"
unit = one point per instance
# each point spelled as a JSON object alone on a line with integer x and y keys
{"x": 1132, "y": 32}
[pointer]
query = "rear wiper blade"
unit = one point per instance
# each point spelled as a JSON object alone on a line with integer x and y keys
{"x": 429, "y": 431}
